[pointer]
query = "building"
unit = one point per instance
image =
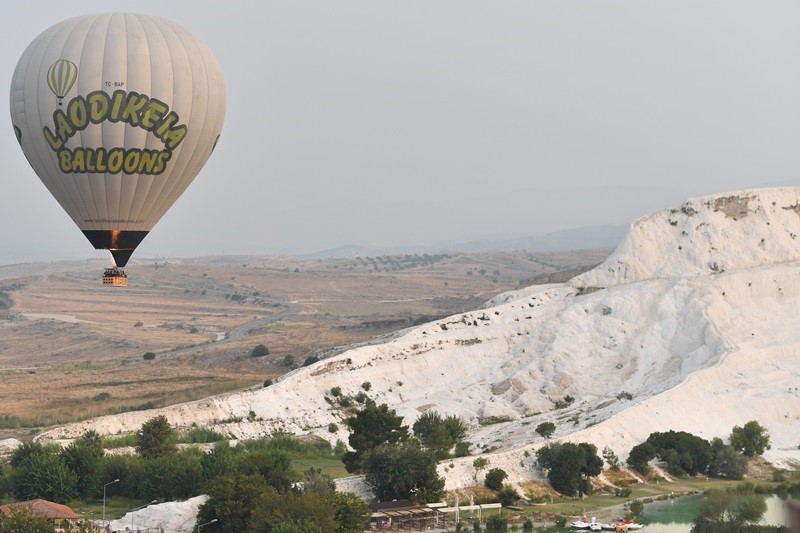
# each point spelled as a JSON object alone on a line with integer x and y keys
{"x": 60, "y": 515}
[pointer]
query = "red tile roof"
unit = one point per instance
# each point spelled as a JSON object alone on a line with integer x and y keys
{"x": 39, "y": 507}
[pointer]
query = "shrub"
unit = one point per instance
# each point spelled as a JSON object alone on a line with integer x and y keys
{"x": 496, "y": 523}
{"x": 336, "y": 391}
{"x": 149, "y": 356}
{"x": 367, "y": 386}
{"x": 507, "y": 495}
{"x": 462, "y": 449}
{"x": 546, "y": 429}
{"x": 310, "y": 360}
{"x": 288, "y": 361}
{"x": 138, "y": 324}
{"x": 267, "y": 382}
{"x": 333, "y": 428}
{"x": 259, "y": 351}
{"x": 480, "y": 463}
{"x": 101, "y": 397}
{"x": 494, "y": 478}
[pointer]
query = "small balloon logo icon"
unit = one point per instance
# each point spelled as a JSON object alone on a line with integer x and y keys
{"x": 61, "y": 77}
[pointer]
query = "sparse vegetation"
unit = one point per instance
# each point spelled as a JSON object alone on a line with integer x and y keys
{"x": 149, "y": 356}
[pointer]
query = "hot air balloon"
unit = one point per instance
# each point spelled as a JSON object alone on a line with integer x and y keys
{"x": 117, "y": 113}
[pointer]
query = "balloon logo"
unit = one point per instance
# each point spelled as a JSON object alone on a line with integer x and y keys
{"x": 61, "y": 77}
{"x": 140, "y": 107}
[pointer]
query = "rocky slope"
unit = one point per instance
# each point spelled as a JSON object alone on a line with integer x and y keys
{"x": 691, "y": 325}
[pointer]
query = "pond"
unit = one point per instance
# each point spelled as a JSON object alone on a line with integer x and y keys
{"x": 676, "y": 516}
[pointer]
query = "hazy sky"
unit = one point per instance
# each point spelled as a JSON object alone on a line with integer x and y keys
{"x": 417, "y": 122}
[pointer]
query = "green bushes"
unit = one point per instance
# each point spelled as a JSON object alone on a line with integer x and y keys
{"x": 494, "y": 478}
{"x": 149, "y": 356}
{"x": 259, "y": 351}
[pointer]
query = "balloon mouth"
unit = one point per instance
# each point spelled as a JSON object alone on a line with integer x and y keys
{"x": 120, "y": 243}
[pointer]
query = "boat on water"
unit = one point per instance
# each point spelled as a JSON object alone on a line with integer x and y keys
{"x": 584, "y": 524}
{"x": 625, "y": 525}
{"x": 593, "y": 525}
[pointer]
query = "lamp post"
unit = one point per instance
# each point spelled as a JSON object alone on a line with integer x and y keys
{"x": 105, "y": 526}
{"x": 201, "y": 525}
{"x": 139, "y": 509}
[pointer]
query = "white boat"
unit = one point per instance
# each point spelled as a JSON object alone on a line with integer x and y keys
{"x": 581, "y": 524}
{"x": 592, "y": 525}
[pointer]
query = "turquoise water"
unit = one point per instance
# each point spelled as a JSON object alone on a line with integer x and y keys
{"x": 676, "y": 516}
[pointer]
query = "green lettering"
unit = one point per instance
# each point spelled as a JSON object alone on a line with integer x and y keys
{"x": 115, "y": 158}
{"x": 131, "y": 162}
{"x": 134, "y": 104}
{"x": 78, "y": 115}
{"x": 99, "y": 105}
{"x": 78, "y": 161}
{"x": 154, "y": 113}
{"x": 54, "y": 143}
{"x": 65, "y": 161}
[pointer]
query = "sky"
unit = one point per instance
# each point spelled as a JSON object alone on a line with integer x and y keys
{"x": 402, "y": 123}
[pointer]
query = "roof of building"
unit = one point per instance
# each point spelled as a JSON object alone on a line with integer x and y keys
{"x": 40, "y": 507}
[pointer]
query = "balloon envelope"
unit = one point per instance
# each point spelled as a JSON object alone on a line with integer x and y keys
{"x": 117, "y": 113}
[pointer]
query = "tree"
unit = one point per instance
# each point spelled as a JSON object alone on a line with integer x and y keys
{"x": 231, "y": 500}
{"x": 274, "y": 466}
{"x": 611, "y": 458}
{"x": 371, "y": 426}
{"x": 172, "y": 477}
{"x": 682, "y": 451}
{"x": 218, "y": 462}
{"x": 726, "y": 461}
{"x": 439, "y": 434}
{"x": 546, "y": 429}
{"x": 569, "y": 466}
{"x": 45, "y": 475}
{"x": 640, "y": 455}
{"x": 403, "y": 471}
{"x": 156, "y": 438}
{"x": 318, "y": 482}
{"x": 127, "y": 469}
{"x": 302, "y": 509}
{"x": 259, "y": 351}
{"x": 494, "y": 478}
{"x": 350, "y": 512}
{"x": 752, "y": 439}
{"x": 83, "y": 456}
{"x": 636, "y": 508}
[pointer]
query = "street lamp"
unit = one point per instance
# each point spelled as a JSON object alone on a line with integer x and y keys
{"x": 139, "y": 509}
{"x": 201, "y": 525}
{"x": 105, "y": 526}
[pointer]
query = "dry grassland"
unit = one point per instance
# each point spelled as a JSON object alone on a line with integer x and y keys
{"x": 71, "y": 348}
